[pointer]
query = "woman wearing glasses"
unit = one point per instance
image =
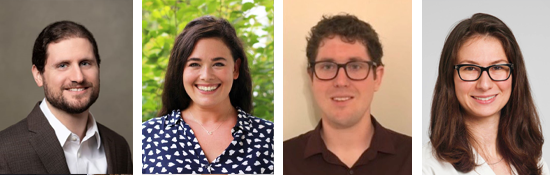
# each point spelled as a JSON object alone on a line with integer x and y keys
{"x": 483, "y": 119}
{"x": 204, "y": 125}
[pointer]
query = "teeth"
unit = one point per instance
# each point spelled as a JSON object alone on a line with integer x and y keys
{"x": 487, "y": 98}
{"x": 341, "y": 98}
{"x": 76, "y": 89}
{"x": 207, "y": 88}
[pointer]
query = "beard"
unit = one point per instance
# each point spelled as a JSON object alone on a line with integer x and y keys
{"x": 82, "y": 104}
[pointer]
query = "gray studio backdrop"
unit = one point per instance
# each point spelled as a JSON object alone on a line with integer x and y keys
{"x": 111, "y": 24}
{"x": 529, "y": 23}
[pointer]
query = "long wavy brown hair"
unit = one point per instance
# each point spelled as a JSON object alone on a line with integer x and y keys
{"x": 519, "y": 138}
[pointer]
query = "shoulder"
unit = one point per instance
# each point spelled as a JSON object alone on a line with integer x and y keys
{"x": 402, "y": 141}
{"x": 18, "y": 131}
{"x": 158, "y": 124}
{"x": 432, "y": 165}
{"x": 154, "y": 123}
{"x": 110, "y": 134}
{"x": 257, "y": 125}
{"x": 296, "y": 145}
{"x": 544, "y": 167}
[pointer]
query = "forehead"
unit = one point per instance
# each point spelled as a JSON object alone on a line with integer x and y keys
{"x": 70, "y": 49}
{"x": 210, "y": 48}
{"x": 482, "y": 50}
{"x": 335, "y": 49}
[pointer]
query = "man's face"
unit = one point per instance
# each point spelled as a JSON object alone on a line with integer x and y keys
{"x": 344, "y": 102}
{"x": 71, "y": 75}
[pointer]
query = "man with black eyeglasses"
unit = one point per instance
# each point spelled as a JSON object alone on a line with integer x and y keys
{"x": 345, "y": 68}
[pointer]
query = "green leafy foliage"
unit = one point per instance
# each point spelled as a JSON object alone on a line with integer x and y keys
{"x": 164, "y": 19}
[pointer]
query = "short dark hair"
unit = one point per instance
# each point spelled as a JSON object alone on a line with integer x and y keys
{"x": 519, "y": 139}
{"x": 174, "y": 95}
{"x": 350, "y": 29}
{"x": 56, "y": 32}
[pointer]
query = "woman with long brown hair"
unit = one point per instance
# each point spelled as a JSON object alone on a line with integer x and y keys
{"x": 483, "y": 118}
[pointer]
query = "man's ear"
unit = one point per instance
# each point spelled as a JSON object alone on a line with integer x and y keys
{"x": 379, "y": 76}
{"x": 37, "y": 76}
{"x": 236, "y": 69}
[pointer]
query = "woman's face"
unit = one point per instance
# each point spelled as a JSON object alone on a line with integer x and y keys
{"x": 209, "y": 73}
{"x": 484, "y": 97}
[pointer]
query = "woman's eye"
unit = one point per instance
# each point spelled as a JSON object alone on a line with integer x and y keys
{"x": 469, "y": 68}
{"x": 219, "y": 64}
{"x": 498, "y": 68}
{"x": 194, "y": 65}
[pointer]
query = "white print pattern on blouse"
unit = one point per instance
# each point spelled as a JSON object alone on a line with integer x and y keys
{"x": 169, "y": 146}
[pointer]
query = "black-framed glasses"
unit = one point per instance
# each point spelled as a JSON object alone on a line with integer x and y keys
{"x": 472, "y": 72}
{"x": 355, "y": 70}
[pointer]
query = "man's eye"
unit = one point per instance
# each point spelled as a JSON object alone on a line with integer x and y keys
{"x": 327, "y": 66}
{"x": 85, "y": 63}
{"x": 355, "y": 66}
{"x": 62, "y": 65}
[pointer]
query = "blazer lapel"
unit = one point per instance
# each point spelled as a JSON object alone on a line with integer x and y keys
{"x": 110, "y": 153}
{"x": 45, "y": 143}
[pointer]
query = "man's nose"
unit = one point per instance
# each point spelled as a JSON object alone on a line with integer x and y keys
{"x": 341, "y": 79}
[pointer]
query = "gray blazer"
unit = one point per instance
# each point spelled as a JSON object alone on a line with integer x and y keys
{"x": 31, "y": 147}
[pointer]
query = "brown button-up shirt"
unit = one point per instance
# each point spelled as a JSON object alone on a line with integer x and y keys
{"x": 389, "y": 153}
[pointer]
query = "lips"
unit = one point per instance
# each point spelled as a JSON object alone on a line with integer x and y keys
{"x": 208, "y": 88}
{"x": 485, "y": 99}
{"x": 341, "y": 98}
{"x": 76, "y": 89}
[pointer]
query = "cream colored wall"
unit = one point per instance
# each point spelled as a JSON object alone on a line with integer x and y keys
{"x": 392, "y": 21}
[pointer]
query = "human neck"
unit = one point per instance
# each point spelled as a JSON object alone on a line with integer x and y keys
{"x": 484, "y": 132}
{"x": 348, "y": 143}
{"x": 211, "y": 114}
{"x": 76, "y": 123}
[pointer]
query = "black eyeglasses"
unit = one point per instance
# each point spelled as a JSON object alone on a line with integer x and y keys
{"x": 355, "y": 70}
{"x": 472, "y": 72}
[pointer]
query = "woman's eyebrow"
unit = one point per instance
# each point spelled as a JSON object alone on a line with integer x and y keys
{"x": 218, "y": 59}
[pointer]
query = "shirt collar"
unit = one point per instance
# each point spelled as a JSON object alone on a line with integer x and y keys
{"x": 61, "y": 130}
{"x": 244, "y": 122}
{"x": 382, "y": 141}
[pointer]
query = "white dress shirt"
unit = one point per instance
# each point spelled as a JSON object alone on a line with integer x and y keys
{"x": 84, "y": 156}
{"x": 431, "y": 165}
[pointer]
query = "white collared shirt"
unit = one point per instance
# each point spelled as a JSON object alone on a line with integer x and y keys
{"x": 83, "y": 157}
{"x": 431, "y": 165}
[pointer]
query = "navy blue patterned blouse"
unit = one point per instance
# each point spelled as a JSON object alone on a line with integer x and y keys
{"x": 169, "y": 146}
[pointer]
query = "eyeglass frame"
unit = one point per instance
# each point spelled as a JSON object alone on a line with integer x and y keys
{"x": 371, "y": 64}
{"x": 483, "y": 69}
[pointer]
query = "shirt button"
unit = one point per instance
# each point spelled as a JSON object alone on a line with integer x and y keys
{"x": 350, "y": 171}
{"x": 78, "y": 155}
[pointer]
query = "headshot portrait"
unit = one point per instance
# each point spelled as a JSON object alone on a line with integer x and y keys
{"x": 57, "y": 119}
{"x": 483, "y": 108}
{"x": 347, "y": 87}
{"x": 214, "y": 113}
